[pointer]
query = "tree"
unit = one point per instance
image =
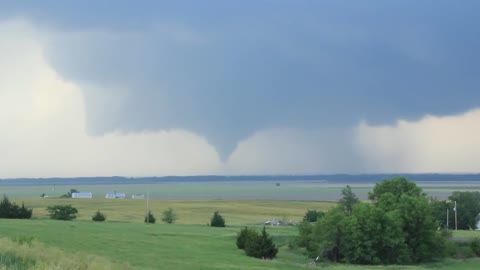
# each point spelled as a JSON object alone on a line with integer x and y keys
{"x": 243, "y": 237}
{"x": 149, "y": 218}
{"x": 373, "y": 236}
{"x": 169, "y": 216}
{"x": 12, "y": 210}
{"x": 397, "y": 227}
{"x": 99, "y": 217}
{"x": 468, "y": 208}
{"x": 348, "y": 200}
{"x": 313, "y": 215}
{"x": 217, "y": 220}
{"x": 261, "y": 246}
{"x": 328, "y": 235}
{"x": 398, "y": 186}
{"x": 416, "y": 216}
{"x": 69, "y": 194}
{"x": 62, "y": 212}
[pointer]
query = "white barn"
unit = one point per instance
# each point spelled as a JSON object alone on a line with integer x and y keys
{"x": 138, "y": 196}
{"x": 115, "y": 195}
{"x": 82, "y": 195}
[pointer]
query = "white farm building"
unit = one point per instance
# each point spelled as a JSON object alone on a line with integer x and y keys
{"x": 115, "y": 195}
{"x": 82, "y": 195}
{"x": 138, "y": 196}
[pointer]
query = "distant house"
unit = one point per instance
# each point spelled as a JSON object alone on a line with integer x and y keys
{"x": 115, "y": 195}
{"x": 138, "y": 196}
{"x": 82, "y": 195}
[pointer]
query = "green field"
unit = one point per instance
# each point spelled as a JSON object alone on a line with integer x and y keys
{"x": 189, "y": 244}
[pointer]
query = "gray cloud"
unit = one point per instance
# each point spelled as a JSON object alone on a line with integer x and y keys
{"x": 227, "y": 72}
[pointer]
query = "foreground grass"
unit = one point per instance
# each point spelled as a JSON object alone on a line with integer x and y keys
{"x": 20, "y": 255}
{"x": 162, "y": 246}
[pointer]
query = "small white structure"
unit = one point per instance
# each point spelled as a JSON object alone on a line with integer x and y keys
{"x": 115, "y": 195}
{"x": 82, "y": 195}
{"x": 138, "y": 196}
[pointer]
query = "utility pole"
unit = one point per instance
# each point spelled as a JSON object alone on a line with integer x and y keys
{"x": 447, "y": 219}
{"x": 455, "y": 209}
{"x": 148, "y": 207}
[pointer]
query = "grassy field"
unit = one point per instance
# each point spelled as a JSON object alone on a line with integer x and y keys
{"x": 188, "y": 211}
{"x": 162, "y": 246}
{"x": 124, "y": 241}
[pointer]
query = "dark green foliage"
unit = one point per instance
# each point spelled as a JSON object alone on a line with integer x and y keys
{"x": 313, "y": 215}
{"x": 304, "y": 239}
{"x": 475, "y": 246}
{"x": 468, "y": 207}
{"x": 12, "y": 210}
{"x": 217, "y": 220}
{"x": 244, "y": 235}
{"x": 99, "y": 217}
{"x": 169, "y": 216}
{"x": 43, "y": 195}
{"x": 349, "y": 199}
{"x": 261, "y": 246}
{"x": 69, "y": 194}
{"x": 328, "y": 235}
{"x": 149, "y": 218}
{"x": 62, "y": 212}
{"x": 439, "y": 211}
{"x": 396, "y": 228}
{"x": 397, "y": 186}
{"x": 379, "y": 233}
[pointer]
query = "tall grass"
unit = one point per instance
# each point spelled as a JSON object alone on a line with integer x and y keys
{"x": 30, "y": 254}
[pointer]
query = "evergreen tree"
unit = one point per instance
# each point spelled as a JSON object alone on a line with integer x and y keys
{"x": 99, "y": 217}
{"x": 149, "y": 218}
{"x": 217, "y": 220}
{"x": 261, "y": 246}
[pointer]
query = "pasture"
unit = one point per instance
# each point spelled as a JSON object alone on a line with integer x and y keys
{"x": 126, "y": 241}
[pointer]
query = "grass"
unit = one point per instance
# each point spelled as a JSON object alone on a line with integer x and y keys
{"x": 163, "y": 246}
{"x": 188, "y": 211}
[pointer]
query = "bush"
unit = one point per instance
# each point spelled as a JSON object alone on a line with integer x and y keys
{"x": 169, "y": 216}
{"x": 69, "y": 194}
{"x": 261, "y": 246}
{"x": 475, "y": 246}
{"x": 149, "y": 218}
{"x": 62, "y": 212}
{"x": 244, "y": 235}
{"x": 12, "y": 210}
{"x": 313, "y": 215}
{"x": 217, "y": 220}
{"x": 99, "y": 217}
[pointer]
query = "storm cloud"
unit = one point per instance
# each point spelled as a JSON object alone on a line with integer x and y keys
{"x": 242, "y": 73}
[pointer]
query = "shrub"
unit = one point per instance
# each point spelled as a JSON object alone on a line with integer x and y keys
{"x": 475, "y": 246}
{"x": 62, "y": 212}
{"x": 217, "y": 220}
{"x": 69, "y": 194}
{"x": 313, "y": 215}
{"x": 12, "y": 210}
{"x": 99, "y": 216}
{"x": 149, "y": 218}
{"x": 261, "y": 246}
{"x": 169, "y": 216}
{"x": 244, "y": 235}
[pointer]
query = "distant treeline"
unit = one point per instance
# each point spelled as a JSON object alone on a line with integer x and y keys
{"x": 331, "y": 178}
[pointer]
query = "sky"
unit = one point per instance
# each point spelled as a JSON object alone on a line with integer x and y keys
{"x": 153, "y": 88}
